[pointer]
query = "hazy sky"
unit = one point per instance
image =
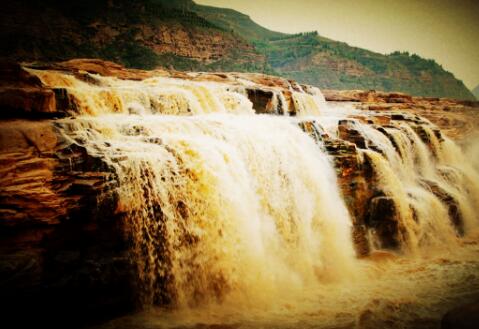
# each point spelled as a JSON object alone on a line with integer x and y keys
{"x": 445, "y": 30}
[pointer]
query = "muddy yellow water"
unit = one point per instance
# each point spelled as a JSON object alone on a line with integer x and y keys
{"x": 387, "y": 292}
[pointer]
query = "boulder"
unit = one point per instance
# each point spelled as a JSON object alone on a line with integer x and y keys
{"x": 262, "y": 100}
{"x": 23, "y": 102}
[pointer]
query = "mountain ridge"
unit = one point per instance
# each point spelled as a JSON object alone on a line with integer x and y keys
{"x": 475, "y": 92}
{"x": 186, "y": 36}
{"x": 314, "y": 59}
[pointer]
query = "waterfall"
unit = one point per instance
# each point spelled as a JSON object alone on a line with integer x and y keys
{"x": 433, "y": 187}
{"x": 149, "y": 96}
{"x": 219, "y": 204}
{"x": 223, "y": 201}
{"x": 226, "y": 205}
{"x": 318, "y": 97}
{"x": 309, "y": 104}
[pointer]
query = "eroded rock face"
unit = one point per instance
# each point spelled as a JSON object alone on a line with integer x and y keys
{"x": 134, "y": 33}
{"x": 452, "y": 203}
{"x": 355, "y": 180}
{"x": 21, "y": 92}
{"x": 63, "y": 251}
{"x": 383, "y": 217}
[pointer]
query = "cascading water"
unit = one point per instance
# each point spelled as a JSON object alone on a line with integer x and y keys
{"x": 309, "y": 104}
{"x": 216, "y": 202}
{"x": 232, "y": 212}
{"x": 415, "y": 177}
{"x": 150, "y": 96}
{"x": 221, "y": 199}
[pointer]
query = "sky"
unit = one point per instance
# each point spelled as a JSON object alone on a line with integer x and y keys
{"x": 444, "y": 30}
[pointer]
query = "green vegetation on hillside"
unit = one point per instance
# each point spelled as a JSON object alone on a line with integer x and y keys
{"x": 310, "y": 58}
{"x": 475, "y": 92}
{"x": 138, "y": 34}
{"x": 236, "y": 22}
{"x": 122, "y": 31}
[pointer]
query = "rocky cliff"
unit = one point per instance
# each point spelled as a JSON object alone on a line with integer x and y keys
{"x": 143, "y": 34}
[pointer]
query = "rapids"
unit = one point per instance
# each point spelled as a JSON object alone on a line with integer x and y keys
{"x": 237, "y": 219}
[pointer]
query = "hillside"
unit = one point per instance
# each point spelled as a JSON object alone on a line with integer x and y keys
{"x": 186, "y": 36}
{"x": 312, "y": 59}
{"x": 236, "y": 22}
{"x": 142, "y": 34}
{"x": 475, "y": 91}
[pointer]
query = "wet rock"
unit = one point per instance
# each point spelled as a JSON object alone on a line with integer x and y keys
{"x": 26, "y": 97}
{"x": 427, "y": 139}
{"x": 262, "y": 100}
{"x": 341, "y": 96}
{"x": 22, "y": 94}
{"x": 397, "y": 98}
{"x": 352, "y": 179}
{"x": 366, "y": 96}
{"x": 65, "y": 102}
{"x": 16, "y": 102}
{"x": 101, "y": 67}
{"x": 360, "y": 240}
{"x": 355, "y": 182}
{"x": 348, "y": 131}
{"x": 421, "y": 132}
{"x": 438, "y": 135}
{"x": 398, "y": 117}
{"x": 380, "y": 107}
{"x": 452, "y": 204}
{"x": 313, "y": 129}
{"x": 384, "y": 218}
{"x": 457, "y": 118}
{"x": 40, "y": 174}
